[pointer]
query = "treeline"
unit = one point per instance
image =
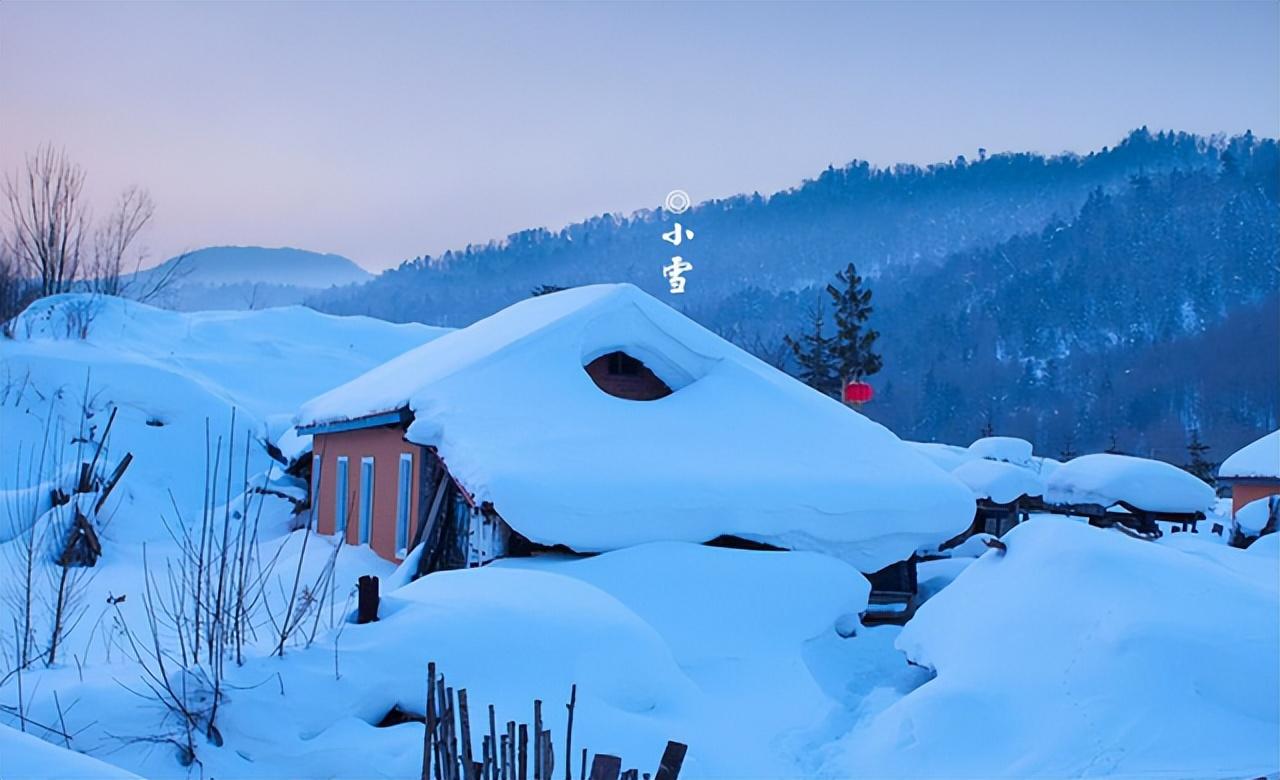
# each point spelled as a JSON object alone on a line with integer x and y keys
{"x": 886, "y": 220}
{"x": 1015, "y": 292}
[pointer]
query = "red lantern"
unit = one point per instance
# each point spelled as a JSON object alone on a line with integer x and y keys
{"x": 857, "y": 393}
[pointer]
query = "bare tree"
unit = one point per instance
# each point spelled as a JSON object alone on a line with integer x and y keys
{"x": 48, "y": 218}
{"x": 115, "y": 240}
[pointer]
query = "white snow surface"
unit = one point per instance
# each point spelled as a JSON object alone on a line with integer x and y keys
{"x": 1003, "y": 448}
{"x": 1253, "y": 516}
{"x": 1083, "y": 652}
{"x": 738, "y": 447}
{"x": 1108, "y": 479}
{"x": 169, "y": 374}
{"x": 26, "y": 757}
{"x": 999, "y": 481}
{"x": 1259, "y": 459}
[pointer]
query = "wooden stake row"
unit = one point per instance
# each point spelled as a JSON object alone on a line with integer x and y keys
{"x": 447, "y": 753}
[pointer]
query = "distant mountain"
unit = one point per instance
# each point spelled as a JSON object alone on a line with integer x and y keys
{"x": 217, "y": 265}
{"x": 1017, "y": 292}
{"x": 247, "y": 277}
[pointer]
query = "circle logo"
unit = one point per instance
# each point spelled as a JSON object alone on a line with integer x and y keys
{"x": 677, "y": 202}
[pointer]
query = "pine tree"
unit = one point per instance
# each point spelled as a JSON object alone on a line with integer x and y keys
{"x": 853, "y": 346}
{"x": 814, "y": 356}
{"x": 1199, "y": 466}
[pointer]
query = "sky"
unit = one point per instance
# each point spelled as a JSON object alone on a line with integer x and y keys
{"x": 387, "y": 131}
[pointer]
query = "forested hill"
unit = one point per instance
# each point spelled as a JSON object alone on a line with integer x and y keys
{"x": 1007, "y": 288}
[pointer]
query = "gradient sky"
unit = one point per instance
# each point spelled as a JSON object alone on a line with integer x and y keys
{"x": 385, "y": 131}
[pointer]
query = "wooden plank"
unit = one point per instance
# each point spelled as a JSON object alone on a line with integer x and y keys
{"x": 112, "y": 480}
{"x": 464, "y": 725}
{"x": 672, "y": 760}
{"x": 523, "y": 759}
{"x": 537, "y": 741}
{"x": 429, "y": 733}
{"x": 605, "y": 767}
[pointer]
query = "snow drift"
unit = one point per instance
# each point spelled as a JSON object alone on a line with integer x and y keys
{"x": 1084, "y": 652}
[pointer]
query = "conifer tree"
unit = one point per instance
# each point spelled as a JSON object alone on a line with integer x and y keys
{"x": 814, "y": 355}
{"x": 853, "y": 347}
{"x": 1199, "y": 465}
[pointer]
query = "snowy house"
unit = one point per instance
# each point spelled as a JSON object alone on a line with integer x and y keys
{"x": 598, "y": 418}
{"x": 1253, "y": 472}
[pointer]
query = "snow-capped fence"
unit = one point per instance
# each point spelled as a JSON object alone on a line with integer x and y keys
{"x": 506, "y": 755}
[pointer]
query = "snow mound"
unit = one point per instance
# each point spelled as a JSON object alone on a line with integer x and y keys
{"x": 1268, "y": 544}
{"x": 169, "y": 374}
{"x": 945, "y": 456}
{"x": 1259, "y": 459}
{"x": 738, "y": 447}
{"x": 25, "y": 757}
{"x": 1108, "y": 479}
{"x": 1075, "y": 648}
{"x": 1254, "y": 516}
{"x": 1005, "y": 448}
{"x": 658, "y": 639}
{"x": 999, "y": 481}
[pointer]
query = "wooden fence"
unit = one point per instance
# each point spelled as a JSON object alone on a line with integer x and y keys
{"x": 519, "y": 751}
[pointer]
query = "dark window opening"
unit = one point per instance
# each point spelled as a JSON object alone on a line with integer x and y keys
{"x": 622, "y": 364}
{"x": 622, "y": 376}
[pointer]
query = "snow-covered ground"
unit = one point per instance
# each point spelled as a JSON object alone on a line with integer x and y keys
{"x": 1078, "y": 652}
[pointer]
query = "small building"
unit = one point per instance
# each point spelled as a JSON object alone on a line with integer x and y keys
{"x": 1128, "y": 493}
{"x": 598, "y": 418}
{"x": 1253, "y": 472}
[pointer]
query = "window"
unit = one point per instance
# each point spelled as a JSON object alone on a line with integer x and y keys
{"x": 403, "y": 497}
{"x": 622, "y": 364}
{"x": 366, "y": 499}
{"x": 340, "y": 499}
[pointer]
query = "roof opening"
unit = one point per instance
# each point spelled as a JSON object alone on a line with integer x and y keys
{"x": 622, "y": 376}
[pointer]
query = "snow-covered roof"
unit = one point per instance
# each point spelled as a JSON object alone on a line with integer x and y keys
{"x": 1006, "y": 448}
{"x": 1259, "y": 459}
{"x": 738, "y": 448}
{"x": 1254, "y": 516}
{"x": 999, "y": 481}
{"x": 1106, "y": 479}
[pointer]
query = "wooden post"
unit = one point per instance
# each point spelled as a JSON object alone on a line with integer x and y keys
{"x": 631, "y": 774}
{"x": 464, "y": 723}
{"x": 429, "y": 735}
{"x": 548, "y": 755}
{"x": 85, "y": 483}
{"x": 524, "y": 752}
{"x": 672, "y": 760}
{"x": 452, "y": 742}
{"x": 493, "y": 743}
{"x": 367, "y": 602}
{"x": 568, "y": 735}
{"x": 537, "y": 741}
{"x": 605, "y": 767}
{"x": 511, "y": 750}
{"x": 111, "y": 482}
{"x": 583, "y": 774}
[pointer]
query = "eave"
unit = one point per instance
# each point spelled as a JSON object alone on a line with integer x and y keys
{"x": 398, "y": 418}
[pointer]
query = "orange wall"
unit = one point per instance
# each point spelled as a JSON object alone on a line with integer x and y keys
{"x": 385, "y": 445}
{"x": 1242, "y": 494}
